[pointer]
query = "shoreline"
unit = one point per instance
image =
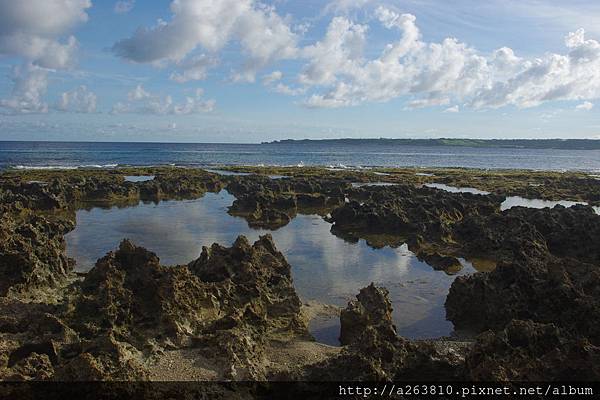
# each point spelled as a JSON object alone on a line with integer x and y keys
{"x": 242, "y": 166}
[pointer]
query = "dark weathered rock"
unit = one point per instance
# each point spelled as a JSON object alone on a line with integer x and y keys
{"x": 372, "y": 308}
{"x": 410, "y": 213}
{"x": 32, "y": 252}
{"x": 129, "y": 293}
{"x": 440, "y": 262}
{"x": 272, "y": 203}
{"x": 228, "y": 303}
{"x": 528, "y": 351}
{"x": 375, "y": 351}
{"x": 543, "y": 290}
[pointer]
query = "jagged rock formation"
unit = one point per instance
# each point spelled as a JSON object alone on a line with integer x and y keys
{"x": 374, "y": 352}
{"x": 229, "y": 302}
{"x": 32, "y": 252}
{"x": 528, "y": 351}
{"x": 372, "y": 308}
{"x": 417, "y": 215}
{"x": 272, "y": 203}
{"x": 553, "y": 277}
{"x": 36, "y": 213}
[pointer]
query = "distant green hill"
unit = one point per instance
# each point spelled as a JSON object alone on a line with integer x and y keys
{"x": 562, "y": 144}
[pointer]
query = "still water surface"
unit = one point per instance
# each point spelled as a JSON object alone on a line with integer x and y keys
{"x": 513, "y": 201}
{"x": 324, "y": 267}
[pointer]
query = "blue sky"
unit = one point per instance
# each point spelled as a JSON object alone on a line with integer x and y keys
{"x": 248, "y": 71}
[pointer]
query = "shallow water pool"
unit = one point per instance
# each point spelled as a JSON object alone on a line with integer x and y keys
{"x": 512, "y": 201}
{"x": 139, "y": 178}
{"x": 453, "y": 189}
{"x": 325, "y": 268}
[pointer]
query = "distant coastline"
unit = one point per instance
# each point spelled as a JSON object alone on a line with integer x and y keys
{"x": 558, "y": 144}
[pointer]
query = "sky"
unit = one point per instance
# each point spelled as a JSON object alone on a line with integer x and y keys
{"x": 248, "y": 71}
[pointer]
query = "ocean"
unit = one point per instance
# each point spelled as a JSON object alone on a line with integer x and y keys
{"x": 85, "y": 154}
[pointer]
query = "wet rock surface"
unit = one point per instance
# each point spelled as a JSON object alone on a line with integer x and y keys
{"x": 535, "y": 314}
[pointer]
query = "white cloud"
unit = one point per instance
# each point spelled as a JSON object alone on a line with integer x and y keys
{"x": 340, "y": 52}
{"x": 406, "y": 67}
{"x": 337, "y": 73}
{"x": 272, "y": 77}
{"x": 141, "y": 101}
{"x": 124, "y": 6}
{"x": 573, "y": 76}
{"x": 33, "y": 29}
{"x": 138, "y": 93}
{"x": 434, "y": 74}
{"x": 30, "y": 84}
{"x": 194, "y": 69}
{"x": 37, "y": 31}
{"x": 288, "y": 90}
{"x": 453, "y": 109}
{"x": 273, "y": 81}
{"x": 586, "y": 106}
{"x": 263, "y": 35}
{"x": 433, "y": 100}
{"x": 341, "y": 96}
{"x": 80, "y": 100}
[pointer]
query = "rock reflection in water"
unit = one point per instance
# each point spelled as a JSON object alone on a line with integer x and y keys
{"x": 453, "y": 189}
{"x": 138, "y": 178}
{"x": 325, "y": 267}
{"x": 512, "y": 201}
{"x": 516, "y": 201}
{"x": 363, "y": 184}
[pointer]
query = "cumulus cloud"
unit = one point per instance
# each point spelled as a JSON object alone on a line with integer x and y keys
{"x": 406, "y": 67}
{"x": 124, "y": 6}
{"x": 573, "y": 76}
{"x": 453, "y": 109}
{"x": 340, "y": 52}
{"x": 140, "y": 101}
{"x": 30, "y": 85}
{"x": 35, "y": 30}
{"x": 435, "y": 74}
{"x": 435, "y": 99}
{"x": 263, "y": 35}
{"x": 271, "y": 78}
{"x": 288, "y": 90}
{"x": 138, "y": 93}
{"x": 194, "y": 69}
{"x": 336, "y": 72}
{"x": 586, "y": 106}
{"x": 273, "y": 81}
{"x": 80, "y": 100}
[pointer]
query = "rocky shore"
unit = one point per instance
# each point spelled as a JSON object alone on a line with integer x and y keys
{"x": 233, "y": 313}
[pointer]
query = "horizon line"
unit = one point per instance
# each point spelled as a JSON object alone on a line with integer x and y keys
{"x": 295, "y": 140}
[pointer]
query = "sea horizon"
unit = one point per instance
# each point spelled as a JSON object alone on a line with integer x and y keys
{"x": 337, "y": 154}
{"x": 304, "y": 140}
